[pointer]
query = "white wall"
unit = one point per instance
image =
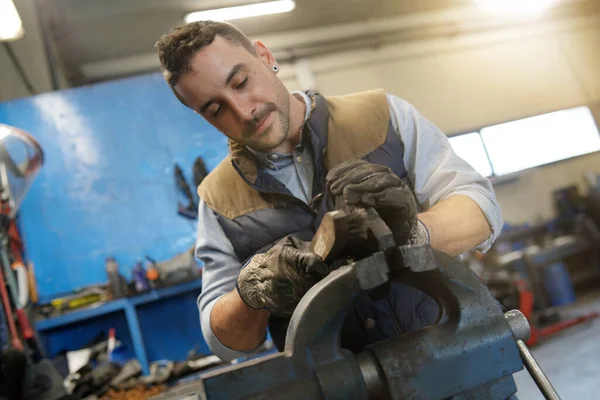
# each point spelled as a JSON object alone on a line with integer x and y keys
{"x": 464, "y": 87}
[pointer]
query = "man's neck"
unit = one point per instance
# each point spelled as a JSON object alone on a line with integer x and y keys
{"x": 297, "y": 114}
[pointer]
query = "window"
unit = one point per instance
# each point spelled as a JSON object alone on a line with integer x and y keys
{"x": 529, "y": 142}
{"x": 470, "y": 148}
{"x": 539, "y": 140}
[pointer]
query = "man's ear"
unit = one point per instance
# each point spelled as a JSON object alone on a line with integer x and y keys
{"x": 264, "y": 53}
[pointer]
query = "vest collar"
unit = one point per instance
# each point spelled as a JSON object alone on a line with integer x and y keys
{"x": 243, "y": 161}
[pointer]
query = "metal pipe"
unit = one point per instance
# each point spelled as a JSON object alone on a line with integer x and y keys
{"x": 19, "y": 68}
{"x": 46, "y": 34}
{"x": 521, "y": 330}
{"x": 541, "y": 380}
{"x": 518, "y": 324}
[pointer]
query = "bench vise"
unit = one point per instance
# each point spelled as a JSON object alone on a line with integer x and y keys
{"x": 470, "y": 353}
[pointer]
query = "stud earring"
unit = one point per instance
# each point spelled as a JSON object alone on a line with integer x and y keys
{"x": 275, "y": 68}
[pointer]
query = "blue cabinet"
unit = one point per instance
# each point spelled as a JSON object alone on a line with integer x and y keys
{"x": 159, "y": 324}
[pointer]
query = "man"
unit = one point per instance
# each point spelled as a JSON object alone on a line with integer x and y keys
{"x": 291, "y": 157}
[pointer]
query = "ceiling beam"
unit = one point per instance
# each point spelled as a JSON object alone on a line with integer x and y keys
{"x": 66, "y": 67}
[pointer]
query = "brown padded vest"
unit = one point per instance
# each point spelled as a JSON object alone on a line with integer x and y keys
{"x": 358, "y": 124}
{"x": 340, "y": 128}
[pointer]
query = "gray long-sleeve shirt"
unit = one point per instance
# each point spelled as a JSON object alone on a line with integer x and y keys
{"x": 434, "y": 170}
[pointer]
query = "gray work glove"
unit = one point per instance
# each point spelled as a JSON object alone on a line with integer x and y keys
{"x": 364, "y": 184}
{"x": 277, "y": 280}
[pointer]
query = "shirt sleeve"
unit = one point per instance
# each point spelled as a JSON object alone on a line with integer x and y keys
{"x": 436, "y": 172}
{"x": 220, "y": 270}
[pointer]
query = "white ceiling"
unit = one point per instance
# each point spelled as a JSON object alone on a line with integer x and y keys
{"x": 89, "y": 31}
{"x": 29, "y": 53}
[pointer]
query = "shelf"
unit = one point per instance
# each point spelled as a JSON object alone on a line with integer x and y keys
{"x": 585, "y": 276}
{"x": 562, "y": 248}
{"x": 130, "y": 307}
{"x": 117, "y": 305}
{"x": 80, "y": 315}
{"x": 163, "y": 293}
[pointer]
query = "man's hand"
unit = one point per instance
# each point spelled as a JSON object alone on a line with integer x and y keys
{"x": 364, "y": 184}
{"x": 277, "y": 279}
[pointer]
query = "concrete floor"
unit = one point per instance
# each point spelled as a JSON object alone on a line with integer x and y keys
{"x": 571, "y": 359}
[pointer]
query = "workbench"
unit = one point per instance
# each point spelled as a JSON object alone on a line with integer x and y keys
{"x": 158, "y": 324}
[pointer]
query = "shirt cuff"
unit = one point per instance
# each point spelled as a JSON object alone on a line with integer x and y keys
{"x": 214, "y": 344}
{"x": 491, "y": 211}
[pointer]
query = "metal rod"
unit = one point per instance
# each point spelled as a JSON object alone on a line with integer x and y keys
{"x": 20, "y": 70}
{"x": 541, "y": 380}
{"x": 48, "y": 51}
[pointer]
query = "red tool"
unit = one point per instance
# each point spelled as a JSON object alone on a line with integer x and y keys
{"x": 526, "y": 301}
{"x": 16, "y": 245}
{"x": 16, "y": 341}
{"x": 19, "y": 169}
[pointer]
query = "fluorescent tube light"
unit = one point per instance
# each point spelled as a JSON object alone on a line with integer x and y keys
{"x": 238, "y": 12}
{"x": 543, "y": 139}
{"x": 522, "y": 7}
{"x": 470, "y": 148}
{"x": 11, "y": 26}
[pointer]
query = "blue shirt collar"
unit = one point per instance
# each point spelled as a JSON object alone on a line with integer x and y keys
{"x": 275, "y": 160}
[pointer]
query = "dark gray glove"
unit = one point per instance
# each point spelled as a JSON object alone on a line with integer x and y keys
{"x": 364, "y": 184}
{"x": 277, "y": 280}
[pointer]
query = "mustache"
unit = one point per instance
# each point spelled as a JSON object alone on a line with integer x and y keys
{"x": 257, "y": 118}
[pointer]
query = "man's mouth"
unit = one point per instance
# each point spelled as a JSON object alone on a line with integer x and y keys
{"x": 263, "y": 123}
{"x": 258, "y": 125}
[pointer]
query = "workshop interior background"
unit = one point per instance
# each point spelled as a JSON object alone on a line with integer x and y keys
{"x": 119, "y": 151}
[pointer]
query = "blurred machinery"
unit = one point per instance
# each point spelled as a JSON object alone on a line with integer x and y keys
{"x": 527, "y": 267}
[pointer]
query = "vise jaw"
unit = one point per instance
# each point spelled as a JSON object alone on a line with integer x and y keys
{"x": 470, "y": 353}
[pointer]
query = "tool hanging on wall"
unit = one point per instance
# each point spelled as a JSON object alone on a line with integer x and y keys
{"x": 191, "y": 210}
{"x": 15, "y": 339}
{"x": 200, "y": 171}
{"x": 24, "y": 365}
{"x": 15, "y": 250}
{"x": 21, "y": 158}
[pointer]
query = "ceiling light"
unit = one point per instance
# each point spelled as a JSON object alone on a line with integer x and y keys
{"x": 250, "y": 10}
{"x": 516, "y": 6}
{"x": 11, "y": 27}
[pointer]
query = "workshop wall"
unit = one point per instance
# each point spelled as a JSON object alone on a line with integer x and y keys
{"x": 530, "y": 197}
{"x": 465, "y": 83}
{"x": 107, "y": 186}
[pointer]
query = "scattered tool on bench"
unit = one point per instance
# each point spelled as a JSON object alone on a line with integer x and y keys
{"x": 470, "y": 353}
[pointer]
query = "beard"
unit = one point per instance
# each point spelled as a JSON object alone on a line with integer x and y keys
{"x": 277, "y": 133}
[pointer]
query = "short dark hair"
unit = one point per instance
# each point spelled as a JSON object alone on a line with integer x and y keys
{"x": 177, "y": 48}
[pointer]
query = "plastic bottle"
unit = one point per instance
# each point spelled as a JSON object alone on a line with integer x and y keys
{"x": 116, "y": 282}
{"x": 139, "y": 277}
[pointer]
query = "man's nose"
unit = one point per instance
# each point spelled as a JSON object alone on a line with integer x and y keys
{"x": 243, "y": 109}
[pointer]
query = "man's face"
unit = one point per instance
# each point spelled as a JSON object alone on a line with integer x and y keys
{"x": 238, "y": 93}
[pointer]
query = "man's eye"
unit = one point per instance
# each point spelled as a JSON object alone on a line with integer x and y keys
{"x": 242, "y": 84}
{"x": 217, "y": 111}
